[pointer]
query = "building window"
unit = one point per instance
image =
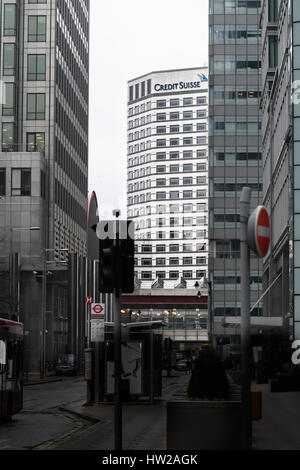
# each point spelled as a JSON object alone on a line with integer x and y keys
{"x": 161, "y": 103}
{"x": 146, "y": 275}
{"x": 7, "y": 136}
{"x": 9, "y": 59}
{"x": 8, "y": 107}
{"x": 174, "y": 129}
{"x": 273, "y": 10}
{"x": 174, "y": 116}
{"x": 174, "y": 248}
{"x": 160, "y": 261}
{"x": 36, "y": 67}
{"x": 2, "y": 181}
{"x": 160, "y": 195}
{"x": 187, "y": 274}
{"x": 174, "y": 274}
{"x": 174, "y": 155}
{"x": 36, "y": 106}
{"x": 146, "y": 262}
{"x": 37, "y": 1}
{"x": 201, "y": 100}
{"x": 160, "y": 248}
{"x": 187, "y": 114}
{"x": 174, "y": 261}
{"x": 188, "y": 140}
{"x": 187, "y": 101}
{"x": 35, "y": 142}
{"x": 21, "y": 182}
{"x": 36, "y": 28}
{"x": 10, "y": 19}
{"x": 187, "y": 261}
{"x": 174, "y": 102}
{"x": 273, "y": 51}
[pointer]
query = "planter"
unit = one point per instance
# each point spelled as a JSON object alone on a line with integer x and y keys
{"x": 204, "y": 425}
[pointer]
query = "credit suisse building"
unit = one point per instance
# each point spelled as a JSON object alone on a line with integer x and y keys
{"x": 167, "y": 175}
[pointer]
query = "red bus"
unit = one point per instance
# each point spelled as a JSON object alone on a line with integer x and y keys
{"x": 11, "y": 368}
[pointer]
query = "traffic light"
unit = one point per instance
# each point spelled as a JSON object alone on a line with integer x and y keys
{"x": 106, "y": 265}
{"x": 116, "y": 257}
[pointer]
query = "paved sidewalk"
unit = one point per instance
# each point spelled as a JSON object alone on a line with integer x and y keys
{"x": 144, "y": 425}
{"x": 279, "y": 427}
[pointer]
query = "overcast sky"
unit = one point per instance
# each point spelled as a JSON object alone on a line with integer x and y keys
{"x": 129, "y": 38}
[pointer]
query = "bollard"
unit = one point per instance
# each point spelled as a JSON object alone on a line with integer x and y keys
{"x": 256, "y": 413}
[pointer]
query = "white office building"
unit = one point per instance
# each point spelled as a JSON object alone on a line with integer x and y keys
{"x": 167, "y": 176}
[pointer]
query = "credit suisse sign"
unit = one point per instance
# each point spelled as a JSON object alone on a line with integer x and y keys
{"x": 181, "y": 85}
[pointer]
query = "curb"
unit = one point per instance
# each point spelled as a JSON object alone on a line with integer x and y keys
{"x": 80, "y": 415}
{"x": 41, "y": 382}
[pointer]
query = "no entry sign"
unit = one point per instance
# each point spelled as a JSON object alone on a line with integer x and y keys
{"x": 259, "y": 231}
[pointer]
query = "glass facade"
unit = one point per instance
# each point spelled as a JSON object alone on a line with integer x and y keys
{"x": 234, "y": 148}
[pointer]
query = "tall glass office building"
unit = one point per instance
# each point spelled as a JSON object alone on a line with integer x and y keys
{"x": 234, "y": 154}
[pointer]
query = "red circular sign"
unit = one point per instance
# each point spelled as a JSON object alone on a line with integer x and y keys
{"x": 98, "y": 308}
{"x": 263, "y": 232}
{"x": 89, "y": 300}
{"x": 259, "y": 231}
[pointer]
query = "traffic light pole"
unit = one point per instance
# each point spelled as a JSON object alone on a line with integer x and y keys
{"x": 245, "y": 318}
{"x": 118, "y": 345}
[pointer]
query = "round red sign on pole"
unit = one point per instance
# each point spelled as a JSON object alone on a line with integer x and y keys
{"x": 259, "y": 231}
{"x": 89, "y": 300}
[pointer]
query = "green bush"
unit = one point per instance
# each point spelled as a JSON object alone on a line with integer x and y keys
{"x": 208, "y": 380}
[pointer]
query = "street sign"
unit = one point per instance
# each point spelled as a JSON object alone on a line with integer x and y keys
{"x": 97, "y": 330}
{"x": 259, "y": 231}
{"x": 89, "y": 300}
{"x": 97, "y": 310}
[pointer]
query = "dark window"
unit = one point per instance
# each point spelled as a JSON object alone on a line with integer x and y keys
{"x": 9, "y": 59}
{"x": 7, "y": 136}
{"x": 2, "y": 181}
{"x": 10, "y": 19}
{"x": 36, "y": 67}
{"x": 21, "y": 182}
{"x": 35, "y": 106}
{"x": 8, "y": 107}
{"x": 36, "y": 28}
{"x": 35, "y": 142}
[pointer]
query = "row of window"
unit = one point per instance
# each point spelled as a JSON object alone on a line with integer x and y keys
{"x": 236, "y": 186}
{"x": 234, "y": 95}
{"x": 175, "y": 129}
{"x": 147, "y": 275}
{"x": 235, "y": 125}
{"x": 173, "y": 155}
{"x": 170, "y": 209}
{"x": 221, "y": 64}
{"x": 173, "y": 222}
{"x": 35, "y": 140}
{"x": 185, "y": 261}
{"x": 186, "y": 167}
{"x": 176, "y": 142}
{"x": 234, "y": 6}
{"x": 35, "y": 106}
{"x": 172, "y": 248}
{"x": 233, "y": 156}
{"x": 162, "y": 235}
{"x": 231, "y": 34}
{"x": 172, "y": 103}
{"x": 139, "y": 90}
{"x": 162, "y": 195}
{"x": 176, "y": 115}
{"x": 20, "y": 182}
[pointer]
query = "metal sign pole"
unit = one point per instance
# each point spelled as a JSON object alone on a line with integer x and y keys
{"x": 245, "y": 318}
{"x": 117, "y": 346}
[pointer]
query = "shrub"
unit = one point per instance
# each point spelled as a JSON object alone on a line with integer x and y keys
{"x": 208, "y": 380}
